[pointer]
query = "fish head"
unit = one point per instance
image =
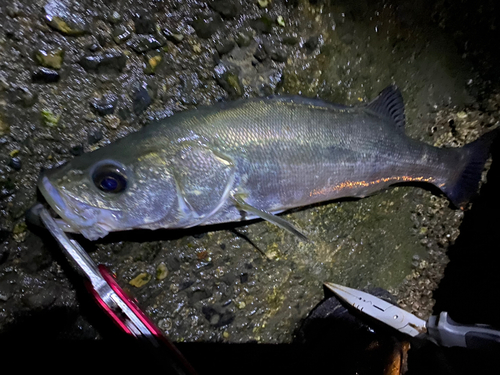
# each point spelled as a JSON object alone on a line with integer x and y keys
{"x": 95, "y": 194}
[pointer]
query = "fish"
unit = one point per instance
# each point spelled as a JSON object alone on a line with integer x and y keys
{"x": 253, "y": 158}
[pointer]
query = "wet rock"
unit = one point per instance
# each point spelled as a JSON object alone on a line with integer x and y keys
{"x": 110, "y": 61}
{"x": 243, "y": 278}
{"x": 206, "y": 25}
{"x": 290, "y": 40}
{"x": 23, "y": 96}
{"x": 121, "y": 34}
{"x": 105, "y": 105}
{"x": 76, "y": 150}
{"x": 61, "y": 18}
{"x": 49, "y": 118}
{"x": 217, "y": 316}
{"x": 229, "y": 80}
{"x": 198, "y": 295}
{"x": 263, "y": 3}
{"x": 225, "y": 46}
{"x": 311, "y": 43}
{"x": 260, "y": 53}
{"x": 94, "y": 47}
{"x": 244, "y": 38}
{"x": 141, "y": 99}
{"x": 42, "y": 299}
{"x": 113, "y": 17}
{"x": 263, "y": 24}
{"x": 50, "y": 58}
{"x": 152, "y": 63}
{"x": 144, "y": 43}
{"x": 15, "y": 163}
{"x": 172, "y": 36}
{"x": 276, "y": 52}
{"x": 144, "y": 23}
{"x": 226, "y": 8}
{"x": 4, "y": 126}
{"x": 45, "y": 75}
{"x": 94, "y": 137}
{"x": 190, "y": 83}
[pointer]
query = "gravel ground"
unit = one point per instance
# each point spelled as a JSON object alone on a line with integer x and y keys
{"x": 75, "y": 76}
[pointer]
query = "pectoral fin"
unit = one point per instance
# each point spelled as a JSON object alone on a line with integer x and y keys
{"x": 276, "y": 220}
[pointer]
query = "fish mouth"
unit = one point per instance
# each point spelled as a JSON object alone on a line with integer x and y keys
{"x": 75, "y": 216}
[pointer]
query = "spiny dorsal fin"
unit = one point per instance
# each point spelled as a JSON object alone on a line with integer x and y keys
{"x": 390, "y": 104}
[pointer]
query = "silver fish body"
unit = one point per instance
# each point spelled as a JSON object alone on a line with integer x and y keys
{"x": 237, "y": 160}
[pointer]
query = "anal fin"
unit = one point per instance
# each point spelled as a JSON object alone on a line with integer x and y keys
{"x": 276, "y": 220}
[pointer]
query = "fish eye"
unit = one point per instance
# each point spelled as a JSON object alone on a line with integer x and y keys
{"x": 109, "y": 178}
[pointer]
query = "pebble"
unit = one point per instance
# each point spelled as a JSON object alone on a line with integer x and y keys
{"x": 244, "y": 38}
{"x": 144, "y": 43}
{"x": 277, "y": 53}
{"x": 226, "y": 8}
{"x": 229, "y": 81}
{"x": 94, "y": 137}
{"x": 263, "y": 24}
{"x": 141, "y": 100}
{"x": 45, "y": 75}
{"x": 76, "y": 150}
{"x": 206, "y": 25}
{"x": 50, "y": 58}
{"x": 61, "y": 18}
{"x": 225, "y": 46}
{"x": 311, "y": 43}
{"x": 144, "y": 23}
{"x": 152, "y": 63}
{"x": 217, "y": 317}
{"x": 106, "y": 62}
{"x": 105, "y": 105}
{"x": 15, "y": 163}
{"x": 23, "y": 96}
{"x": 172, "y": 36}
{"x": 121, "y": 34}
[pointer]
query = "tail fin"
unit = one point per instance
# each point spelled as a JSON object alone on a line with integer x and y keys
{"x": 467, "y": 183}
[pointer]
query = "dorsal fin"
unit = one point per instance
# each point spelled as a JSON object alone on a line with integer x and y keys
{"x": 389, "y": 103}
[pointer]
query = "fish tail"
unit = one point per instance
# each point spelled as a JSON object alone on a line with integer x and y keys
{"x": 470, "y": 169}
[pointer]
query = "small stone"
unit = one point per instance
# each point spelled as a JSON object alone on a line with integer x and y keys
{"x": 161, "y": 271}
{"x": 277, "y": 53}
{"x": 226, "y": 8}
{"x": 173, "y": 37}
{"x": 49, "y": 119}
{"x": 23, "y": 96}
{"x": 94, "y": 137}
{"x": 263, "y": 3}
{"x": 263, "y": 24}
{"x": 144, "y": 24}
{"x": 244, "y": 278}
{"x": 76, "y": 150}
{"x": 114, "y": 17}
{"x": 50, "y": 58}
{"x": 225, "y": 46}
{"x": 244, "y": 38}
{"x": 144, "y": 43}
{"x": 15, "y": 163}
{"x": 110, "y": 61}
{"x": 4, "y": 126}
{"x": 290, "y": 40}
{"x": 121, "y": 34}
{"x": 152, "y": 63}
{"x": 206, "y": 25}
{"x": 112, "y": 121}
{"x": 45, "y": 75}
{"x": 65, "y": 27}
{"x": 140, "y": 280}
{"x": 260, "y": 53}
{"x": 105, "y": 105}
{"x": 217, "y": 317}
{"x": 229, "y": 81}
{"x": 60, "y": 17}
{"x": 141, "y": 100}
{"x": 311, "y": 43}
